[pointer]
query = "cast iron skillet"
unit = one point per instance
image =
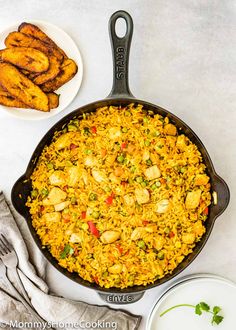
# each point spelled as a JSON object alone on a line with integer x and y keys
{"x": 121, "y": 95}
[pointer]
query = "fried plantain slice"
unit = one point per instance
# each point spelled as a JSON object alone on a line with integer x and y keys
{"x": 36, "y": 32}
{"x": 53, "y": 99}
{"x": 20, "y": 87}
{"x": 18, "y": 39}
{"x": 9, "y": 101}
{"x": 53, "y": 71}
{"x": 25, "y": 58}
{"x": 67, "y": 72}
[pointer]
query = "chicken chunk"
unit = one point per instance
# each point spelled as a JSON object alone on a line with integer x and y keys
{"x": 181, "y": 142}
{"x": 73, "y": 176}
{"x": 76, "y": 238}
{"x": 52, "y": 217}
{"x": 64, "y": 140}
{"x": 110, "y": 236}
{"x": 57, "y": 178}
{"x": 99, "y": 176}
{"x": 115, "y": 269}
{"x": 198, "y": 228}
{"x": 142, "y": 195}
{"x": 152, "y": 172}
{"x": 146, "y": 155}
{"x": 159, "y": 242}
{"x": 162, "y": 206}
{"x": 170, "y": 129}
{"x": 138, "y": 233}
{"x": 129, "y": 199}
{"x": 201, "y": 179}
{"x": 55, "y": 196}
{"x": 193, "y": 199}
{"x": 61, "y": 206}
{"x": 114, "y": 132}
{"x": 90, "y": 161}
{"x": 188, "y": 238}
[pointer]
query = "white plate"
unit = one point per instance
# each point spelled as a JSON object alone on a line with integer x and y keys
{"x": 69, "y": 90}
{"x": 212, "y": 290}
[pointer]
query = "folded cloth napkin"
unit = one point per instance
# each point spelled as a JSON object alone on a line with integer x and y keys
{"x": 58, "y": 312}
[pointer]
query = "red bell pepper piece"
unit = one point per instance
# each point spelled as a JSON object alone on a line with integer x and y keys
{"x": 119, "y": 248}
{"x": 206, "y": 211}
{"x": 124, "y": 145}
{"x": 94, "y": 129}
{"x": 171, "y": 234}
{"x": 93, "y": 229}
{"x": 109, "y": 199}
{"x": 73, "y": 146}
{"x": 83, "y": 215}
{"x": 145, "y": 222}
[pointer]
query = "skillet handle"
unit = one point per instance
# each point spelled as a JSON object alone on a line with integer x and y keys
{"x": 19, "y": 194}
{"x": 120, "y": 50}
{"x": 221, "y": 195}
{"x": 122, "y": 298}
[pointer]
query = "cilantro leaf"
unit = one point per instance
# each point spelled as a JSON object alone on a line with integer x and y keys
{"x": 217, "y": 319}
{"x": 67, "y": 250}
{"x": 198, "y": 310}
{"x": 204, "y": 306}
{"x": 216, "y": 309}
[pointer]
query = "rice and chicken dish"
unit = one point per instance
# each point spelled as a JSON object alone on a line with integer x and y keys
{"x": 120, "y": 196}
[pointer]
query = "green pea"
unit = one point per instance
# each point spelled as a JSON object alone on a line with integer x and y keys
{"x": 88, "y": 151}
{"x": 50, "y": 166}
{"x": 96, "y": 214}
{"x": 147, "y": 143}
{"x": 92, "y": 197}
{"x": 149, "y": 162}
{"x": 145, "y": 120}
{"x": 139, "y": 179}
{"x": 132, "y": 169}
{"x": 144, "y": 184}
{"x": 64, "y": 130}
{"x": 73, "y": 200}
{"x": 141, "y": 244}
{"x": 167, "y": 230}
{"x": 158, "y": 184}
{"x": 153, "y": 186}
{"x": 107, "y": 189}
{"x": 86, "y": 131}
{"x": 105, "y": 274}
{"x": 34, "y": 193}
{"x": 124, "y": 130}
{"x": 120, "y": 159}
{"x": 183, "y": 169}
{"x": 89, "y": 256}
{"x": 131, "y": 278}
{"x": 44, "y": 192}
{"x": 131, "y": 181}
{"x": 75, "y": 122}
{"x": 160, "y": 255}
{"x": 72, "y": 128}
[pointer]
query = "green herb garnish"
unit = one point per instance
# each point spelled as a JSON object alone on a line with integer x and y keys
{"x": 199, "y": 308}
{"x": 68, "y": 250}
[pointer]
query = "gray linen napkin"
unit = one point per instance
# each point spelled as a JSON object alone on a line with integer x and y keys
{"x": 59, "y": 312}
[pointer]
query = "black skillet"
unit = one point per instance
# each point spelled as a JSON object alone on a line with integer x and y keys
{"x": 121, "y": 95}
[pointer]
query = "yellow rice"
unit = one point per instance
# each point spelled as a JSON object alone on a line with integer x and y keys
{"x": 108, "y": 220}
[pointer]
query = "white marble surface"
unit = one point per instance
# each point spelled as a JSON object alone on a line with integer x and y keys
{"x": 183, "y": 58}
